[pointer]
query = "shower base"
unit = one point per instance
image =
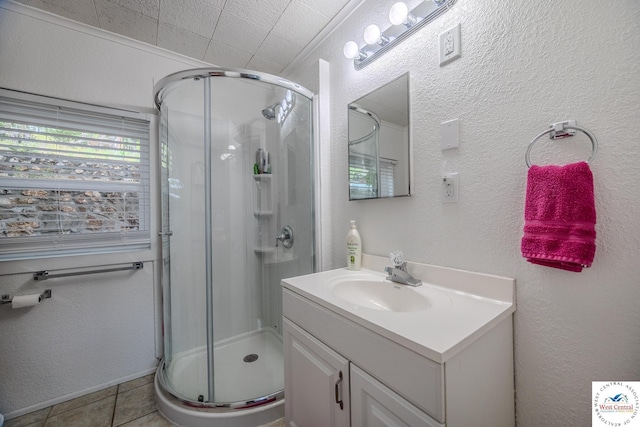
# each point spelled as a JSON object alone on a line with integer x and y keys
{"x": 239, "y": 377}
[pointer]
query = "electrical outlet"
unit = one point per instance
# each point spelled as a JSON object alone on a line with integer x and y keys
{"x": 450, "y": 188}
{"x": 450, "y": 45}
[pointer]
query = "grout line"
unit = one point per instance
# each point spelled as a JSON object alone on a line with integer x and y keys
{"x": 47, "y": 416}
{"x": 115, "y": 403}
{"x": 141, "y": 416}
{"x": 114, "y": 406}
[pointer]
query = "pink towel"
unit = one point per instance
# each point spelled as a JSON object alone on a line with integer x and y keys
{"x": 560, "y": 217}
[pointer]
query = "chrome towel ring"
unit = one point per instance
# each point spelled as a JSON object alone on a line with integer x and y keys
{"x": 562, "y": 130}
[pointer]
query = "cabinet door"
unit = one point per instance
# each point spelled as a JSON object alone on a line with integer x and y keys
{"x": 316, "y": 381}
{"x": 375, "y": 405}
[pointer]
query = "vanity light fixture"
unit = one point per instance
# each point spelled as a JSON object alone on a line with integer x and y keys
{"x": 404, "y": 23}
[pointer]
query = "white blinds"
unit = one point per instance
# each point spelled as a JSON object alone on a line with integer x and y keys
{"x": 74, "y": 178}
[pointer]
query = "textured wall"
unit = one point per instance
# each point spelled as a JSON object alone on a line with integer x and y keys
{"x": 94, "y": 331}
{"x": 524, "y": 65}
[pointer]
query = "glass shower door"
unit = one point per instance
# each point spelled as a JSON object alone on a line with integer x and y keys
{"x": 183, "y": 240}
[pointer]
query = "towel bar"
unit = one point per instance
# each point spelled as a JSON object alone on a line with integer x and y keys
{"x": 44, "y": 275}
{"x": 561, "y": 130}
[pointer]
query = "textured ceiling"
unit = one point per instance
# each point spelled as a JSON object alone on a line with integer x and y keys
{"x": 262, "y": 35}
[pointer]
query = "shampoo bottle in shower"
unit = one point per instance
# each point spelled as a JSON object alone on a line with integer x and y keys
{"x": 354, "y": 248}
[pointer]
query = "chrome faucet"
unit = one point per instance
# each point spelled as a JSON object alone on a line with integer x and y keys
{"x": 399, "y": 273}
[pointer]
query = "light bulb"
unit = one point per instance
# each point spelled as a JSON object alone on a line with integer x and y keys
{"x": 372, "y": 34}
{"x": 398, "y": 13}
{"x": 351, "y": 50}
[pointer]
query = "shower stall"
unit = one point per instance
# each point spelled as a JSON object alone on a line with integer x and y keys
{"x": 237, "y": 217}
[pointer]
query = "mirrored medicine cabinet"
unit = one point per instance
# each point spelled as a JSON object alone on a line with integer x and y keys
{"x": 379, "y": 164}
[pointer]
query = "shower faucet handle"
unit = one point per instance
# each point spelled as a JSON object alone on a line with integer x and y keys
{"x": 286, "y": 237}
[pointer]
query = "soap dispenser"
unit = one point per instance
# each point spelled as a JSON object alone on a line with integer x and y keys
{"x": 354, "y": 248}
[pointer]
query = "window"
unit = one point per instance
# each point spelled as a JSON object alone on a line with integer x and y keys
{"x": 74, "y": 178}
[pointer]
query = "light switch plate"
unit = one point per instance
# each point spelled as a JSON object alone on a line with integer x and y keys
{"x": 449, "y": 134}
{"x": 450, "y": 45}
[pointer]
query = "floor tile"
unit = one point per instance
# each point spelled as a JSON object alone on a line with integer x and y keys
{"x": 83, "y": 400}
{"x": 135, "y": 383}
{"x": 133, "y": 404}
{"x": 153, "y": 419}
{"x": 32, "y": 419}
{"x": 97, "y": 414}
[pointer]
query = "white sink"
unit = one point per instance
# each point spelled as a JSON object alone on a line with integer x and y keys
{"x": 450, "y": 310}
{"x": 381, "y": 295}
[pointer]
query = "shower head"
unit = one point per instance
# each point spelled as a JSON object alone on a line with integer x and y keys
{"x": 270, "y": 111}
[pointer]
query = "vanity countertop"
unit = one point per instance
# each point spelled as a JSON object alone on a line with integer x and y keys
{"x": 464, "y": 305}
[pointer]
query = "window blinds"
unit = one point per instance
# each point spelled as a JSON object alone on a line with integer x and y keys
{"x": 365, "y": 183}
{"x": 74, "y": 178}
{"x": 387, "y": 182}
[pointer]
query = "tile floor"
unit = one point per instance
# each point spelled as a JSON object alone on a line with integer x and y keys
{"x": 130, "y": 404}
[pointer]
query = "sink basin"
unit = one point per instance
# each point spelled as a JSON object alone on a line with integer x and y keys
{"x": 381, "y": 295}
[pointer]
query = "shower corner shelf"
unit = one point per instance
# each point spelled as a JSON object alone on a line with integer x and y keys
{"x": 263, "y": 196}
{"x": 264, "y": 251}
{"x": 262, "y": 177}
{"x": 271, "y": 256}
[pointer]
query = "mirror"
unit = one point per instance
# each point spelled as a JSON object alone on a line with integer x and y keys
{"x": 379, "y": 142}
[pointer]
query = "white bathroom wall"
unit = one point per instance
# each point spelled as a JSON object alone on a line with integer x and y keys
{"x": 95, "y": 331}
{"x": 524, "y": 65}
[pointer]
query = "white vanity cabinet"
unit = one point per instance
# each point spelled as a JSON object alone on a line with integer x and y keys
{"x": 313, "y": 368}
{"x": 324, "y": 389}
{"x": 441, "y": 373}
{"x": 317, "y": 381}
